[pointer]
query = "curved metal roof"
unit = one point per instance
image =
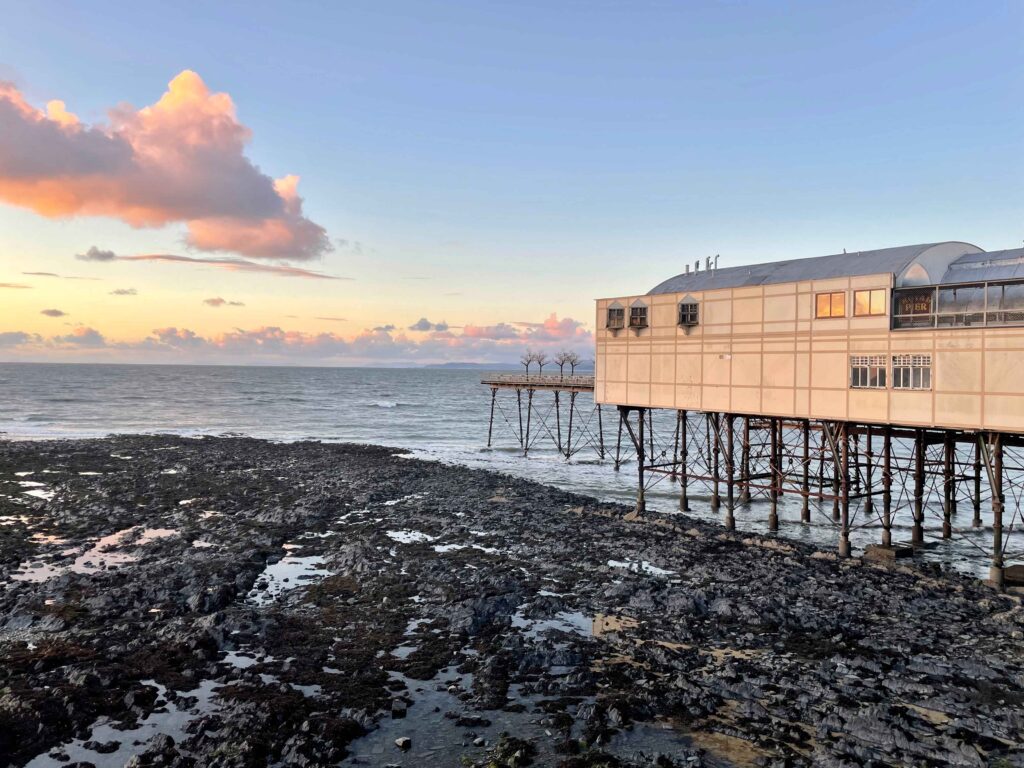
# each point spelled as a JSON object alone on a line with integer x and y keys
{"x": 891, "y": 260}
{"x": 991, "y": 265}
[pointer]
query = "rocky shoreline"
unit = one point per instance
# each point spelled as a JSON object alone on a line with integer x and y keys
{"x": 235, "y": 602}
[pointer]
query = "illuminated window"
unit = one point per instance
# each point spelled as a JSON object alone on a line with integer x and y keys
{"x": 911, "y": 371}
{"x": 689, "y": 313}
{"x": 867, "y": 371}
{"x": 638, "y": 316}
{"x": 830, "y": 304}
{"x": 869, "y": 302}
{"x": 616, "y": 317}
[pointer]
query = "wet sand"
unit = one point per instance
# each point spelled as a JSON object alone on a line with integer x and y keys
{"x": 233, "y": 602}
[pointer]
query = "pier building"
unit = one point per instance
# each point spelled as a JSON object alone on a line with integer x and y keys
{"x": 864, "y": 379}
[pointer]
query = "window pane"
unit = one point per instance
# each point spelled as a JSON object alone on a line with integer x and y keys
{"x": 838, "y": 304}
{"x": 862, "y": 302}
{"x": 878, "y": 302}
{"x": 823, "y": 308}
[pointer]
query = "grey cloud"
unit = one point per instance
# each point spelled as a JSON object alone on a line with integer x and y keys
{"x": 96, "y": 254}
{"x": 53, "y": 313}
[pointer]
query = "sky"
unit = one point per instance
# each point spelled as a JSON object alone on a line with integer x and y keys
{"x": 380, "y": 183}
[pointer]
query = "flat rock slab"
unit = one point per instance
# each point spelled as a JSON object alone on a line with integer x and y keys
{"x": 879, "y": 553}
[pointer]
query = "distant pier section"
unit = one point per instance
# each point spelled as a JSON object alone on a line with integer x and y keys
{"x": 559, "y": 420}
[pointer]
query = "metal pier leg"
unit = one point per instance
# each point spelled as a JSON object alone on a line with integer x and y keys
{"x": 519, "y": 404}
{"x": 600, "y": 433}
{"x": 730, "y": 502}
{"x": 856, "y": 462}
{"x": 618, "y": 443}
{"x": 641, "y": 502}
{"x": 836, "y": 460}
{"x": 490, "y": 423}
{"x": 976, "y": 501}
{"x": 650, "y": 430}
{"x": 568, "y": 437}
{"x": 887, "y": 487}
{"x": 869, "y": 467}
{"x": 775, "y": 471}
{"x": 948, "y": 489}
{"x": 716, "y": 499}
{"x": 805, "y": 507}
{"x": 844, "y": 531}
{"x": 998, "y": 505}
{"x": 745, "y": 463}
{"x": 675, "y": 451}
{"x": 529, "y": 413}
{"x": 917, "y": 537}
{"x": 558, "y": 421}
{"x": 684, "y": 502}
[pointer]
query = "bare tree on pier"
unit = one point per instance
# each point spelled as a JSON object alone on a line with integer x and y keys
{"x": 561, "y": 359}
{"x": 527, "y": 358}
{"x": 541, "y": 359}
{"x": 572, "y": 359}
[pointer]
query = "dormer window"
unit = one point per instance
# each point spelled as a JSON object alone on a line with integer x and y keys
{"x": 689, "y": 313}
{"x": 638, "y": 316}
{"x": 616, "y": 317}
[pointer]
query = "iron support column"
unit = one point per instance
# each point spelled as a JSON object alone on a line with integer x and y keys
{"x": 490, "y": 422}
{"x": 887, "y": 487}
{"x": 730, "y": 505}
{"x": 998, "y": 504}
{"x": 917, "y": 537}
{"x": 568, "y": 436}
{"x": 869, "y": 469}
{"x": 976, "y": 500}
{"x": 844, "y": 531}
{"x": 745, "y": 463}
{"x": 529, "y": 413}
{"x": 775, "y": 472}
{"x": 716, "y": 499}
{"x": 805, "y": 506}
{"x": 684, "y": 503}
{"x": 948, "y": 489}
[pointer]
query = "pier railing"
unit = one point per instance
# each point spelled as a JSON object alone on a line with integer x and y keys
{"x": 540, "y": 380}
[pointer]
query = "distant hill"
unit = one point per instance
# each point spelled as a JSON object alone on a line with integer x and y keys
{"x": 475, "y": 366}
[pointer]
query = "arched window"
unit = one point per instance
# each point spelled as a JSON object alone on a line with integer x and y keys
{"x": 638, "y": 315}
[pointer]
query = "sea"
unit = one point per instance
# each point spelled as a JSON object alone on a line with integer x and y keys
{"x": 436, "y": 414}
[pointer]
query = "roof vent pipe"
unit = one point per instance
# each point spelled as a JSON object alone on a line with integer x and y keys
{"x": 716, "y": 262}
{"x": 687, "y": 269}
{"x": 707, "y": 263}
{"x": 696, "y": 266}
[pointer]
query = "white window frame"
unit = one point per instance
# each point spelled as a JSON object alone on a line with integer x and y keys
{"x": 865, "y": 367}
{"x": 912, "y": 372}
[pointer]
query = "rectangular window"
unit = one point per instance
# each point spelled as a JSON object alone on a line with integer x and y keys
{"x": 830, "y": 304}
{"x": 869, "y": 303}
{"x": 616, "y": 317}
{"x": 867, "y": 371}
{"x": 638, "y": 317}
{"x": 1006, "y": 304}
{"x": 689, "y": 314}
{"x": 911, "y": 371}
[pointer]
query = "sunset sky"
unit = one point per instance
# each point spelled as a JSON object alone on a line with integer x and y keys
{"x": 411, "y": 182}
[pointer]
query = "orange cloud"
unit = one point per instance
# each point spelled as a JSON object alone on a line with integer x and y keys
{"x": 181, "y": 159}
